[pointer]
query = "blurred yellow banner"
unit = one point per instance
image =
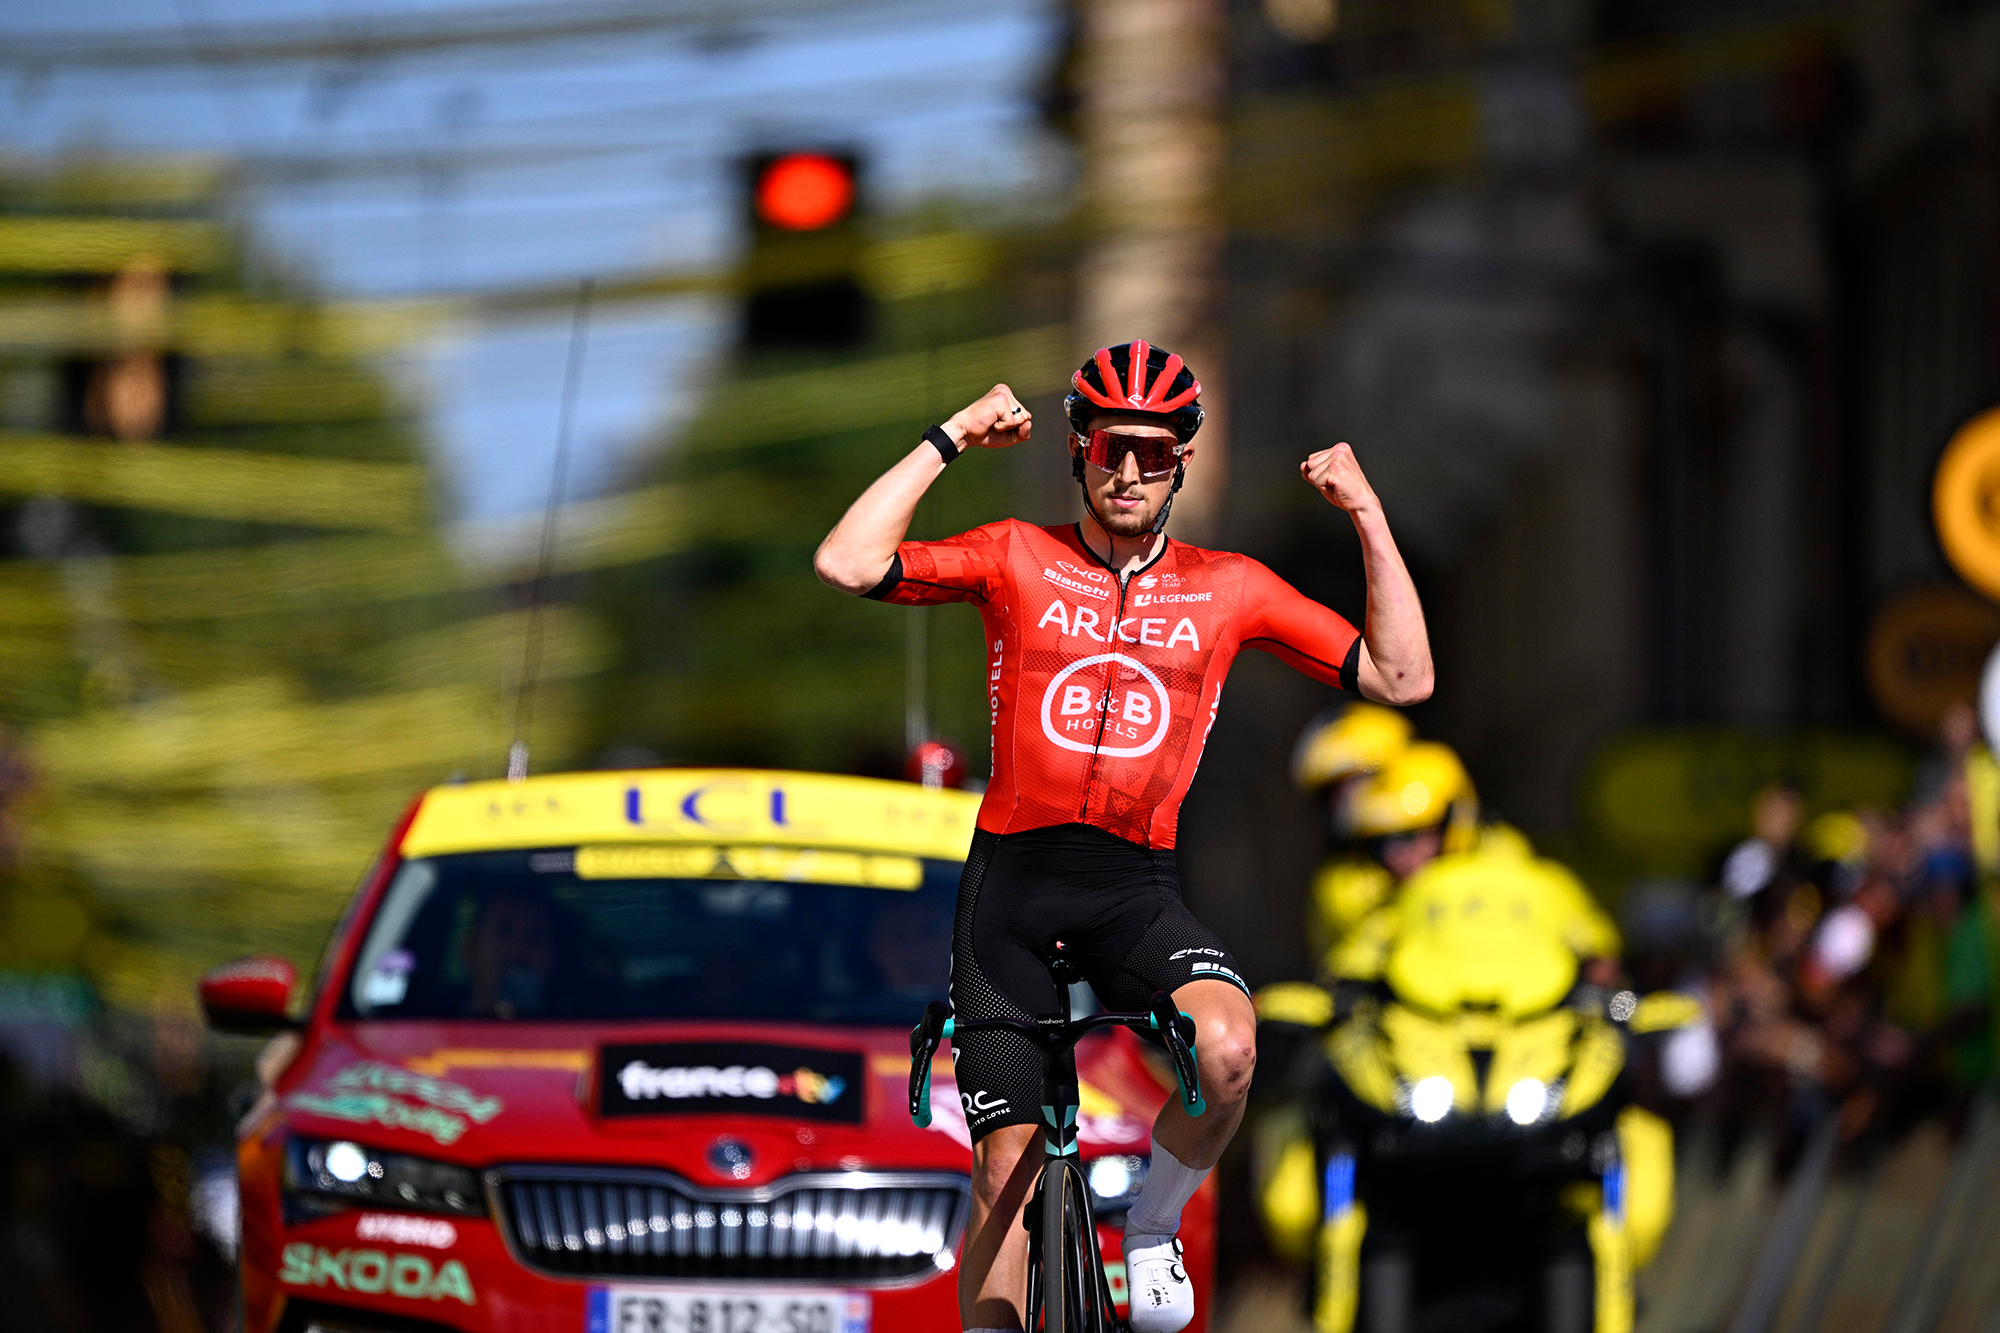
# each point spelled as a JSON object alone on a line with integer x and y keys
{"x": 907, "y": 387}
{"x": 233, "y": 325}
{"x": 105, "y": 245}
{"x": 304, "y": 575}
{"x": 215, "y": 483}
{"x": 219, "y": 326}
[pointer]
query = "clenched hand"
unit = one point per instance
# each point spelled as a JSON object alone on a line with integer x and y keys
{"x": 995, "y": 421}
{"x": 1335, "y": 474}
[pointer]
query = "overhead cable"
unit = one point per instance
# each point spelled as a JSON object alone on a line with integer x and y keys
{"x": 389, "y": 34}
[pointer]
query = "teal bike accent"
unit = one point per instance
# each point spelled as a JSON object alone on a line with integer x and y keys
{"x": 1067, "y": 1288}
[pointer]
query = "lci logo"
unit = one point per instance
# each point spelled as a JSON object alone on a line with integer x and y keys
{"x": 1087, "y": 717}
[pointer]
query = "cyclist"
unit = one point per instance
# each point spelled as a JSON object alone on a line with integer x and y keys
{"x": 1107, "y": 645}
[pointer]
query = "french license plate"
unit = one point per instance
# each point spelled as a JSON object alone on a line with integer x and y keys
{"x": 623, "y": 1309}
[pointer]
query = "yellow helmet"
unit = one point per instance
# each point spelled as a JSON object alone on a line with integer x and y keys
{"x": 1342, "y": 742}
{"x": 1423, "y": 786}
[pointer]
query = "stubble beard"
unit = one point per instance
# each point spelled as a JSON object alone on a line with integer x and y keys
{"x": 1136, "y": 523}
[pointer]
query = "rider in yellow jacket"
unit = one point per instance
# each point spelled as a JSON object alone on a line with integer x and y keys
{"x": 1561, "y": 905}
{"x": 1338, "y": 751}
{"x": 1418, "y": 805}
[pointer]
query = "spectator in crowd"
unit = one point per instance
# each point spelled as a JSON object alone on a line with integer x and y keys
{"x": 1853, "y": 952}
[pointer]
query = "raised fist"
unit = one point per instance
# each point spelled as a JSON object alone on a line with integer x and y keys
{"x": 1334, "y": 474}
{"x": 995, "y": 421}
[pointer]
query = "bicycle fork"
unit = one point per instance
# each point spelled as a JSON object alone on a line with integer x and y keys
{"x": 1069, "y": 1291}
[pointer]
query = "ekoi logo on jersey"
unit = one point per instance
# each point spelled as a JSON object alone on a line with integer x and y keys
{"x": 1089, "y": 717}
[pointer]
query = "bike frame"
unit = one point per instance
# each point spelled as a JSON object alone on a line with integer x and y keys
{"x": 1062, "y": 1245}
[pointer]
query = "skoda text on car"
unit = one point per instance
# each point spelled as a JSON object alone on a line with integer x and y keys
{"x": 628, "y": 1053}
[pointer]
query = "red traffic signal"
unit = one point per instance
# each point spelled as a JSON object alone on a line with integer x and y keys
{"x": 804, "y": 191}
{"x": 937, "y": 764}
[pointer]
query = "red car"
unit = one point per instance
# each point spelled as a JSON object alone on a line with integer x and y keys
{"x": 627, "y": 1053}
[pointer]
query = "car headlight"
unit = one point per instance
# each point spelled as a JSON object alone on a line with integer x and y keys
{"x": 325, "y": 1175}
{"x": 1115, "y": 1183}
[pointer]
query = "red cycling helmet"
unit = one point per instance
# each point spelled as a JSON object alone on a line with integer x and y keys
{"x": 1135, "y": 377}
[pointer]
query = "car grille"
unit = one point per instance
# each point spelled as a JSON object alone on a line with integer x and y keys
{"x": 853, "y": 1227}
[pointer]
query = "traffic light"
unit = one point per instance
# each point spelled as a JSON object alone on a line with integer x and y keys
{"x": 803, "y": 290}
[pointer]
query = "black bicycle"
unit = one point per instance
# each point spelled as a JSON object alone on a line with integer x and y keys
{"x": 1067, "y": 1289}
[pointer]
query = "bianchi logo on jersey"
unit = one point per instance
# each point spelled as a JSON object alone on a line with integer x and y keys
{"x": 1122, "y": 723}
{"x": 1073, "y": 583}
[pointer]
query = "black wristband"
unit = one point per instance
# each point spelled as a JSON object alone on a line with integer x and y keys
{"x": 938, "y": 436}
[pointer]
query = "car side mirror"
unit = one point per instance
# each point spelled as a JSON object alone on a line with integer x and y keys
{"x": 251, "y": 997}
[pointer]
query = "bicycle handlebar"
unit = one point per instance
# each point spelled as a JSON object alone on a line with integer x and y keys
{"x": 924, "y": 1039}
{"x": 1175, "y": 1028}
{"x": 1178, "y": 1030}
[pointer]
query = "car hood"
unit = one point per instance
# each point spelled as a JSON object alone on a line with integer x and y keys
{"x": 717, "y": 1103}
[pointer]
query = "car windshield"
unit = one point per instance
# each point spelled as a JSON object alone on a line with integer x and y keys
{"x": 672, "y": 932}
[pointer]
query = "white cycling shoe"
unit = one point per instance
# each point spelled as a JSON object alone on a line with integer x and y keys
{"x": 1160, "y": 1295}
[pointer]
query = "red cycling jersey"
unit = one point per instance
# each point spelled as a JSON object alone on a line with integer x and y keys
{"x": 1103, "y": 690}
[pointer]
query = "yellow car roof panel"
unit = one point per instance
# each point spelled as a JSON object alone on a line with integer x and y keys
{"x": 711, "y": 805}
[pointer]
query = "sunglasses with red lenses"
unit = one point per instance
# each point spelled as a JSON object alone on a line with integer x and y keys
{"x": 1158, "y": 455}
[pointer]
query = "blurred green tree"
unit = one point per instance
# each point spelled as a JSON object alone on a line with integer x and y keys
{"x": 232, "y": 641}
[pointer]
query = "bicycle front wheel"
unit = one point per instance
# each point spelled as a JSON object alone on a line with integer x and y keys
{"x": 1068, "y": 1291}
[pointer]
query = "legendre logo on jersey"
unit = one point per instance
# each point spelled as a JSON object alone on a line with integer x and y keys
{"x": 1124, "y": 721}
{"x": 711, "y": 1078}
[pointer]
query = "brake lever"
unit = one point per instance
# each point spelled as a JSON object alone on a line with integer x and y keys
{"x": 924, "y": 1040}
{"x": 1178, "y": 1030}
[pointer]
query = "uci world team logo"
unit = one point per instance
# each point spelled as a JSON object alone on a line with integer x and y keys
{"x": 1134, "y": 719}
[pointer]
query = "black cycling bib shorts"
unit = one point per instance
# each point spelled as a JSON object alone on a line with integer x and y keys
{"x": 1114, "y": 904}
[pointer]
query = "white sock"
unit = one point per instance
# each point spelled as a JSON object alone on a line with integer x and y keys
{"x": 1169, "y": 1185}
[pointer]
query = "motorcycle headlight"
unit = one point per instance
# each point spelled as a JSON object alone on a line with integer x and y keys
{"x": 1431, "y": 1099}
{"x": 1115, "y": 1183}
{"x": 325, "y": 1175}
{"x": 1527, "y": 1100}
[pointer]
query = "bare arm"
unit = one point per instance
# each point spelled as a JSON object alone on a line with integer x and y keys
{"x": 1395, "y": 662}
{"x": 856, "y": 555}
